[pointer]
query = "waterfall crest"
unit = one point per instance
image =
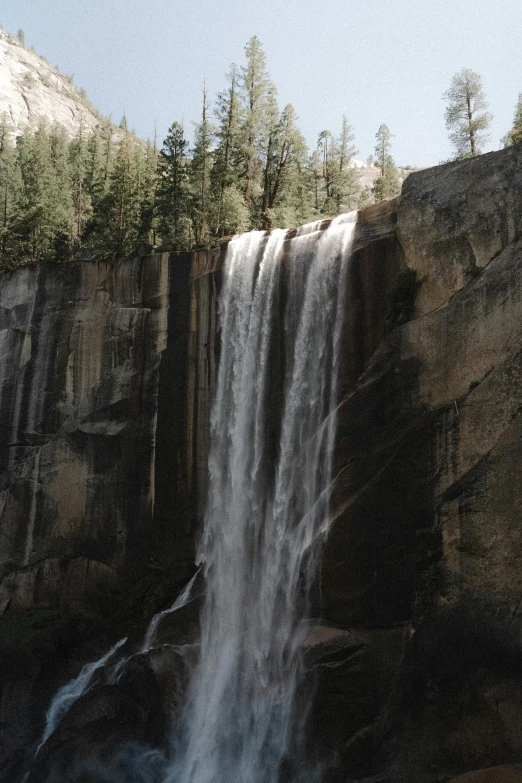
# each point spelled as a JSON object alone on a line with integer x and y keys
{"x": 270, "y": 473}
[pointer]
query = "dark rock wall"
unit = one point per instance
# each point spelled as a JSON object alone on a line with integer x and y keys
{"x": 80, "y": 348}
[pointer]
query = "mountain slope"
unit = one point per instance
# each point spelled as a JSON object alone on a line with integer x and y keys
{"x": 31, "y": 90}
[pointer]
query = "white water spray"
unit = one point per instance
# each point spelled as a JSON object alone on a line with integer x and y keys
{"x": 69, "y": 693}
{"x": 270, "y": 473}
{"x": 185, "y": 597}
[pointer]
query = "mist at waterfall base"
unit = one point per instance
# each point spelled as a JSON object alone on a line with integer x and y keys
{"x": 270, "y": 468}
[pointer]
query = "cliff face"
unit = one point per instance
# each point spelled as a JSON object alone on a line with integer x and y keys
{"x": 106, "y": 378}
{"x": 108, "y": 374}
{"x": 32, "y": 90}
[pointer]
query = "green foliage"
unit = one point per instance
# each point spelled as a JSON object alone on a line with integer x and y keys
{"x": 107, "y": 194}
{"x": 387, "y": 185}
{"x": 401, "y": 299}
{"x": 514, "y": 136}
{"x": 336, "y": 186}
{"x": 21, "y": 36}
{"x": 466, "y": 115}
{"x": 173, "y": 190}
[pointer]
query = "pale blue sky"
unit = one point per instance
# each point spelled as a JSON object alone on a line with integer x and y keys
{"x": 373, "y": 60}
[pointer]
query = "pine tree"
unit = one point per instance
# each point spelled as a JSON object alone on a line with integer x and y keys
{"x": 258, "y": 90}
{"x": 346, "y": 185}
{"x": 200, "y": 170}
{"x": 226, "y": 171}
{"x": 118, "y": 221}
{"x": 515, "y": 134}
{"x": 21, "y": 36}
{"x": 315, "y": 180}
{"x": 78, "y": 163}
{"x": 284, "y": 191}
{"x": 10, "y": 185}
{"x": 94, "y": 168}
{"x": 146, "y": 163}
{"x": 44, "y": 207}
{"x": 326, "y": 198}
{"x": 61, "y": 192}
{"x": 387, "y": 185}
{"x": 466, "y": 115}
{"x": 173, "y": 197}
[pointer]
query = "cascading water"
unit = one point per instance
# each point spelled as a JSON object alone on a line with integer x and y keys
{"x": 267, "y": 507}
{"x": 67, "y": 695}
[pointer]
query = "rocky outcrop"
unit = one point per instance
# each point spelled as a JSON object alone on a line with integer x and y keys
{"x": 109, "y": 373}
{"x": 32, "y": 90}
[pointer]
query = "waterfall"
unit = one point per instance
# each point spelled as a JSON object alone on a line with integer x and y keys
{"x": 270, "y": 470}
{"x": 185, "y": 597}
{"x": 69, "y": 693}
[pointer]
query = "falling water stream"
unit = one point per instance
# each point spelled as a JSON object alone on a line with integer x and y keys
{"x": 267, "y": 507}
{"x": 270, "y": 465}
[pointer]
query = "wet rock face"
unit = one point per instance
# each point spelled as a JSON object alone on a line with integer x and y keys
{"x": 80, "y": 347}
{"x": 429, "y": 435}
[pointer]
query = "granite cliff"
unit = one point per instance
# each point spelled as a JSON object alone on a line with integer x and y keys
{"x": 32, "y": 90}
{"x": 106, "y": 376}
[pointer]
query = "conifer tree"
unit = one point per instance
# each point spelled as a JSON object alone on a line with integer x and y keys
{"x": 515, "y": 134}
{"x": 200, "y": 169}
{"x": 78, "y": 162}
{"x": 315, "y": 179}
{"x": 325, "y": 146}
{"x": 284, "y": 190}
{"x": 387, "y": 185}
{"x": 466, "y": 115}
{"x": 226, "y": 171}
{"x": 10, "y": 185}
{"x": 175, "y": 226}
{"x": 257, "y": 90}
{"x": 44, "y": 207}
{"x": 95, "y": 168}
{"x": 147, "y": 172}
{"x": 117, "y": 228}
{"x": 346, "y": 185}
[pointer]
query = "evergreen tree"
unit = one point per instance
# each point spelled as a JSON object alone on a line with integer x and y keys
{"x": 226, "y": 171}
{"x": 234, "y": 213}
{"x": 21, "y": 36}
{"x": 325, "y": 146}
{"x": 257, "y": 90}
{"x": 315, "y": 179}
{"x": 147, "y": 173}
{"x": 284, "y": 188}
{"x": 62, "y": 192}
{"x": 44, "y": 207}
{"x": 387, "y": 185}
{"x": 200, "y": 170}
{"x": 383, "y": 148}
{"x": 118, "y": 222}
{"x": 173, "y": 197}
{"x": 10, "y": 185}
{"x": 95, "y": 179}
{"x": 466, "y": 115}
{"x": 78, "y": 161}
{"x": 515, "y": 134}
{"x": 346, "y": 185}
